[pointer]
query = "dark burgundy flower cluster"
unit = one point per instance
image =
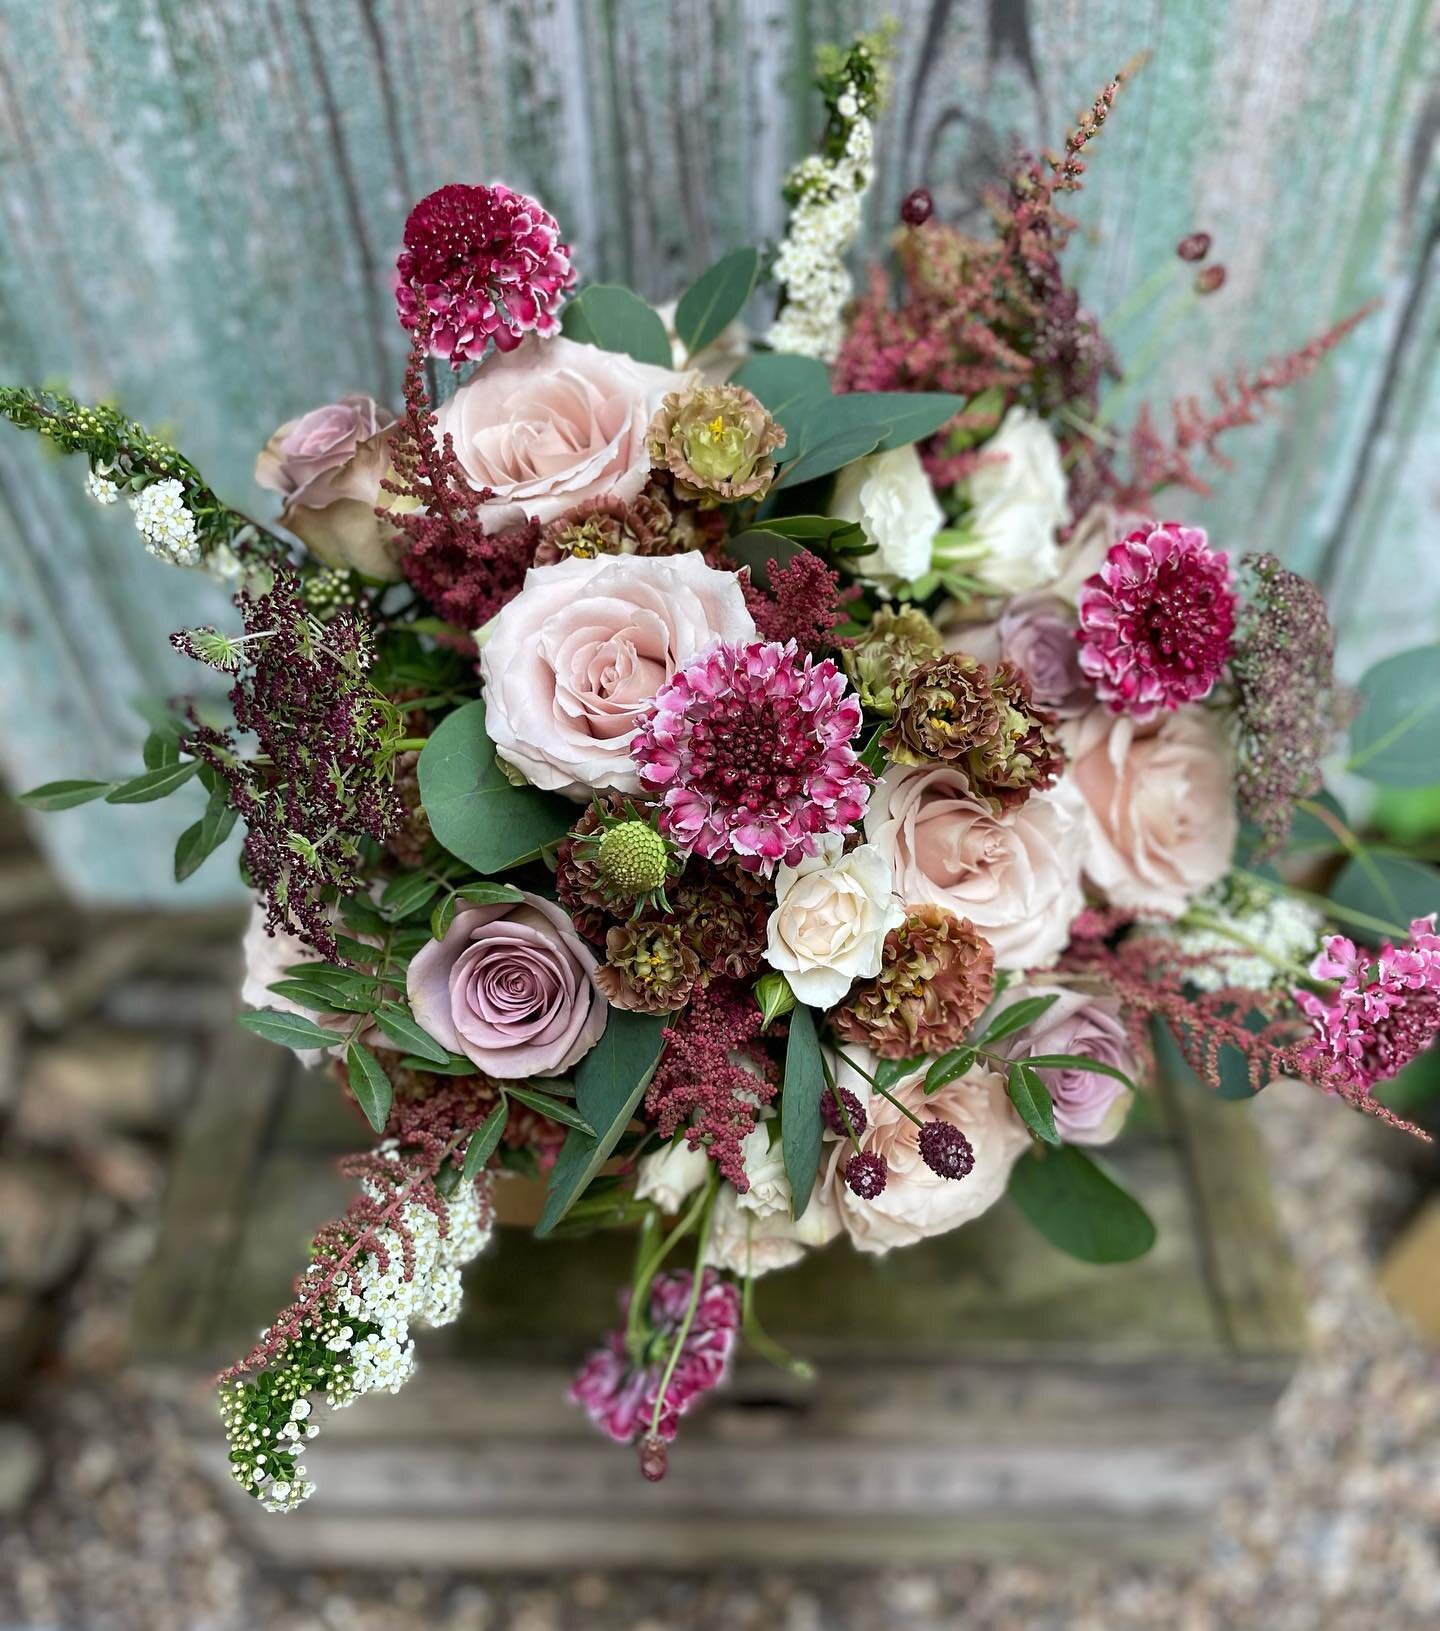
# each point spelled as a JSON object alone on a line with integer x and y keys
{"x": 804, "y": 603}
{"x": 321, "y": 779}
{"x": 700, "y": 1087}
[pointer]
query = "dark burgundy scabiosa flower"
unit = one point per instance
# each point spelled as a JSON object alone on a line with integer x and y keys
{"x": 703, "y": 1084}
{"x": 946, "y": 1150}
{"x": 747, "y": 750}
{"x": 482, "y": 264}
{"x": 619, "y": 1391}
{"x": 1285, "y": 694}
{"x": 1156, "y": 620}
{"x": 866, "y": 1174}
{"x": 321, "y": 779}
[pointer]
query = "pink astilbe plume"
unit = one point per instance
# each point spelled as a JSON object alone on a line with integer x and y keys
{"x": 425, "y": 1133}
{"x": 804, "y": 602}
{"x": 619, "y": 1391}
{"x": 448, "y": 558}
{"x": 1384, "y": 1013}
{"x": 1156, "y": 620}
{"x": 480, "y": 264}
{"x": 714, "y": 1077}
{"x": 747, "y": 750}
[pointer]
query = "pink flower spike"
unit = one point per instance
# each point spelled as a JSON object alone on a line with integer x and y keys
{"x": 749, "y": 751}
{"x": 1157, "y": 619}
{"x": 486, "y": 264}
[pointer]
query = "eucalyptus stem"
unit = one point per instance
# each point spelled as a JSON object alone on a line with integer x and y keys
{"x": 697, "y": 1282}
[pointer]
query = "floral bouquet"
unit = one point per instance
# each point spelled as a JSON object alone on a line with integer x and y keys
{"x": 764, "y": 788}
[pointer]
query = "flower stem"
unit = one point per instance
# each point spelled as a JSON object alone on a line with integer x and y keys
{"x": 697, "y": 1282}
{"x": 884, "y": 1093}
{"x": 760, "y": 1339}
{"x": 646, "y": 1269}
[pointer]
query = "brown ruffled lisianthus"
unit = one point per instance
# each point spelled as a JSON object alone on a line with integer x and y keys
{"x": 716, "y": 441}
{"x": 649, "y": 968}
{"x": 937, "y": 978}
{"x": 893, "y": 645}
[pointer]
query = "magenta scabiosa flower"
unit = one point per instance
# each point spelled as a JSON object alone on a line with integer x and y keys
{"x": 748, "y": 753}
{"x": 486, "y": 264}
{"x": 1156, "y": 620}
{"x": 1385, "y": 1011}
{"x": 619, "y": 1392}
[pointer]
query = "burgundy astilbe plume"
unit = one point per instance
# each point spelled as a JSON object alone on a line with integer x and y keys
{"x": 698, "y": 1085}
{"x": 804, "y": 603}
{"x": 425, "y": 1132}
{"x": 449, "y": 559}
{"x": 321, "y": 778}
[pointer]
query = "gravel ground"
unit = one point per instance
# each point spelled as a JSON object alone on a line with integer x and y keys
{"x": 1333, "y": 1523}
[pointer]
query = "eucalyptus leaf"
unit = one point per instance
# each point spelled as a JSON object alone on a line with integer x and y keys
{"x": 715, "y": 299}
{"x": 610, "y": 1081}
{"x": 1078, "y": 1208}
{"x": 1395, "y": 735}
{"x": 289, "y": 1030}
{"x": 63, "y": 795}
{"x": 407, "y": 893}
{"x": 369, "y": 1084}
{"x": 474, "y": 810}
{"x": 1391, "y": 889}
{"x": 484, "y": 1140}
{"x": 826, "y": 454}
{"x": 800, "y": 1121}
{"x": 781, "y": 380}
{"x": 758, "y": 547}
{"x": 616, "y": 319}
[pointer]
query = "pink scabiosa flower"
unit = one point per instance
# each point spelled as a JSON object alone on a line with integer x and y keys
{"x": 1385, "y": 1012}
{"x": 748, "y": 750}
{"x": 619, "y": 1393}
{"x": 486, "y": 264}
{"x": 1156, "y": 620}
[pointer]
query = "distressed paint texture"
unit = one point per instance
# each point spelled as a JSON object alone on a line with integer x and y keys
{"x": 201, "y": 199}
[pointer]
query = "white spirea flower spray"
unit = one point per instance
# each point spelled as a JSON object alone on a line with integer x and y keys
{"x": 166, "y": 527}
{"x": 825, "y": 192}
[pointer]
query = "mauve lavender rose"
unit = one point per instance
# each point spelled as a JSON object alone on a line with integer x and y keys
{"x": 1090, "y": 1107}
{"x": 1037, "y": 634}
{"x": 327, "y": 466}
{"x": 511, "y": 987}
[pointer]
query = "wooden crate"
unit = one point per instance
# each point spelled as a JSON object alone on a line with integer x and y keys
{"x": 979, "y": 1395}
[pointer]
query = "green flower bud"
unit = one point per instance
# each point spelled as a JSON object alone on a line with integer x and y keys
{"x": 634, "y": 859}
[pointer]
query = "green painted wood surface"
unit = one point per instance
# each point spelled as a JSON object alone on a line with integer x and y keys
{"x": 200, "y": 202}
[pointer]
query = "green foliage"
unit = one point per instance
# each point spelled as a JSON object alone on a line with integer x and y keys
{"x": 800, "y": 1124}
{"x": 399, "y": 1024}
{"x": 1016, "y": 1017}
{"x": 64, "y": 795}
{"x": 150, "y": 785}
{"x": 369, "y": 1084}
{"x": 199, "y": 842}
{"x": 609, "y": 1082}
{"x": 546, "y": 1105}
{"x": 716, "y": 298}
{"x": 289, "y": 1030}
{"x": 484, "y": 1140}
{"x": 773, "y": 997}
{"x": 1078, "y": 1208}
{"x": 1031, "y": 1099}
{"x": 474, "y": 810}
{"x": 949, "y": 1067}
{"x": 611, "y": 317}
{"x": 1390, "y": 889}
{"x": 1395, "y": 735}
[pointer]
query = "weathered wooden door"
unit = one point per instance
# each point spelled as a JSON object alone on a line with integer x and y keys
{"x": 201, "y": 199}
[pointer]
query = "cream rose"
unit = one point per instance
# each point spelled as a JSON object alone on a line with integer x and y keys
{"x": 570, "y": 662}
{"x": 890, "y": 495}
{"x": 754, "y": 1232}
{"x": 832, "y": 913}
{"x": 1015, "y": 876}
{"x": 671, "y": 1174}
{"x": 1160, "y": 805}
{"x": 916, "y": 1202}
{"x": 554, "y": 423}
{"x": 1017, "y": 503}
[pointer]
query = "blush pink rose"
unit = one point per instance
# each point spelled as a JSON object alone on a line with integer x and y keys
{"x": 1160, "y": 805}
{"x": 1090, "y": 1106}
{"x": 327, "y": 466}
{"x": 554, "y": 423}
{"x": 1016, "y": 876}
{"x": 511, "y": 987}
{"x": 570, "y": 662}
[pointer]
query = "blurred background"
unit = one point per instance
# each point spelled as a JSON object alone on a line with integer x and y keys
{"x": 201, "y": 203}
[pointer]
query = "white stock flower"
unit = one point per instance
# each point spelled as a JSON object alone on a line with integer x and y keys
{"x": 1017, "y": 502}
{"x": 890, "y": 495}
{"x": 671, "y": 1174}
{"x": 831, "y": 916}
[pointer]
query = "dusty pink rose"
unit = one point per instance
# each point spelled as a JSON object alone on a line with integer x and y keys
{"x": 1160, "y": 805}
{"x": 327, "y": 466}
{"x": 571, "y": 662}
{"x": 554, "y": 423}
{"x": 1015, "y": 876}
{"x": 511, "y": 987}
{"x": 1090, "y": 1106}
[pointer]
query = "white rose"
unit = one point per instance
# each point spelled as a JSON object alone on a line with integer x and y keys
{"x": 916, "y": 1202}
{"x": 890, "y": 495}
{"x": 769, "y": 1190}
{"x": 1016, "y": 876}
{"x": 568, "y": 664}
{"x": 1017, "y": 504}
{"x": 831, "y": 916}
{"x": 1159, "y": 802}
{"x": 671, "y": 1174}
{"x": 746, "y": 1241}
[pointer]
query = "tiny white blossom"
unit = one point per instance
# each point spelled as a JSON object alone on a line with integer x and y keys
{"x": 165, "y": 526}
{"x": 101, "y": 488}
